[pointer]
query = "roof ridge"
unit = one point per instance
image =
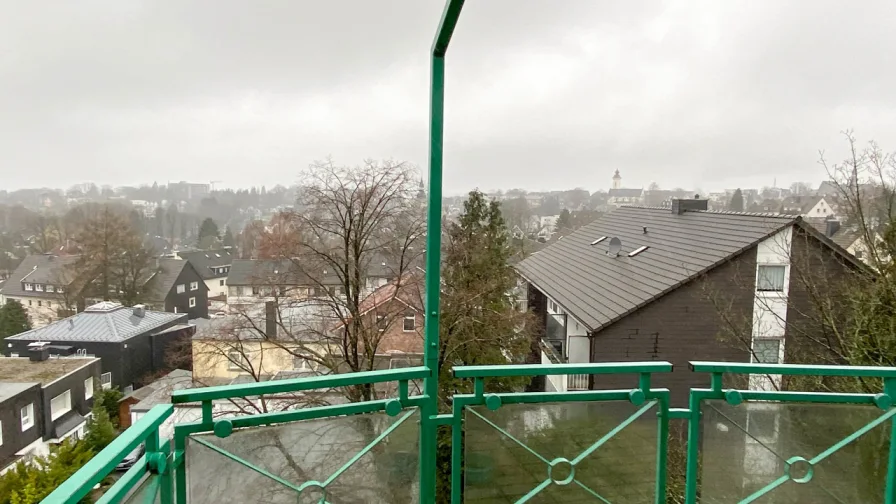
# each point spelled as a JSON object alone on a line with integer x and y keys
{"x": 720, "y": 212}
{"x": 111, "y": 323}
{"x": 749, "y": 214}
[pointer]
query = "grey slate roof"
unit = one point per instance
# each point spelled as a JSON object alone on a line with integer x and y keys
{"x": 104, "y": 322}
{"x": 265, "y": 271}
{"x": 598, "y": 289}
{"x": 38, "y": 268}
{"x": 845, "y": 236}
{"x": 205, "y": 260}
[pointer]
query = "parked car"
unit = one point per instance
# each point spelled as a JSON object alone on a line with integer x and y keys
{"x": 131, "y": 458}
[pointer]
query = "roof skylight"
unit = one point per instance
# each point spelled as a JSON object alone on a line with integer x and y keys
{"x": 637, "y": 251}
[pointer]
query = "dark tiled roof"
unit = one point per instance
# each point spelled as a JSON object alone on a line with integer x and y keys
{"x": 103, "y": 322}
{"x": 265, "y": 272}
{"x": 38, "y": 268}
{"x": 162, "y": 281}
{"x": 598, "y": 289}
{"x": 205, "y": 260}
{"x": 844, "y": 236}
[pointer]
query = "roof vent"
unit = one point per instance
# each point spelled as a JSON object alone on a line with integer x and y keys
{"x": 615, "y": 247}
{"x": 595, "y": 242}
{"x": 637, "y": 251}
{"x": 140, "y": 310}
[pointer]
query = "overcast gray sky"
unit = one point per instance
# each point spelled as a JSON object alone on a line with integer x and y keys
{"x": 541, "y": 94}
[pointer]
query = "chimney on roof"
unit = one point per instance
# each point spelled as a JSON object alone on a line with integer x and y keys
{"x": 270, "y": 320}
{"x": 680, "y": 206}
{"x": 39, "y": 352}
{"x": 831, "y": 227}
{"x": 140, "y": 310}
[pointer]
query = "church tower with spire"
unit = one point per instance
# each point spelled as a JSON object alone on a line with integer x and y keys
{"x": 617, "y": 180}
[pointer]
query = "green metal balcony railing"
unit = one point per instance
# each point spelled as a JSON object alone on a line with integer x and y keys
{"x": 605, "y": 446}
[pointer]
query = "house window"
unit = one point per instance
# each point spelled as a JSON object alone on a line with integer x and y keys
{"x": 192, "y": 302}
{"x": 88, "y": 388}
{"x": 60, "y": 290}
{"x": 235, "y": 361}
{"x": 61, "y": 404}
{"x": 50, "y": 288}
{"x": 39, "y": 303}
{"x": 221, "y": 283}
{"x": 27, "y": 415}
{"x": 410, "y": 322}
{"x": 194, "y": 286}
{"x": 106, "y": 380}
{"x": 255, "y": 290}
{"x": 858, "y": 254}
{"x": 770, "y": 278}
{"x": 767, "y": 351}
{"x": 29, "y": 302}
{"x": 302, "y": 364}
{"x": 29, "y": 287}
{"x": 127, "y": 390}
{"x": 181, "y": 289}
{"x": 399, "y": 363}
{"x": 39, "y": 287}
{"x": 381, "y": 322}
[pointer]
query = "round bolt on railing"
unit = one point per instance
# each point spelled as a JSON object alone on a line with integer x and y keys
{"x": 393, "y": 407}
{"x": 223, "y": 428}
{"x": 799, "y": 469}
{"x": 493, "y": 402}
{"x": 733, "y": 397}
{"x": 559, "y": 467}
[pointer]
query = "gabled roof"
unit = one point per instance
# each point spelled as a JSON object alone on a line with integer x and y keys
{"x": 265, "y": 272}
{"x": 845, "y": 236}
{"x": 205, "y": 260}
{"x": 104, "y": 322}
{"x": 408, "y": 294}
{"x": 598, "y": 289}
{"x": 38, "y": 268}
{"x": 160, "y": 284}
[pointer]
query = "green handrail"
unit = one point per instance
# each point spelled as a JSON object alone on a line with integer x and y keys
{"x": 104, "y": 462}
{"x": 298, "y": 384}
{"x": 793, "y": 369}
{"x": 595, "y": 368}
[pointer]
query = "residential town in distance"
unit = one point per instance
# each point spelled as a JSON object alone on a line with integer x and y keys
{"x": 196, "y": 287}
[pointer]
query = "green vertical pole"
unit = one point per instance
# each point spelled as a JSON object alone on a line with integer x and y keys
{"x": 430, "y": 408}
{"x": 180, "y": 470}
{"x": 662, "y": 448}
{"x": 890, "y": 490}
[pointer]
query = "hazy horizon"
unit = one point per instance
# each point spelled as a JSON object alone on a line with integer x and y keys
{"x": 699, "y": 95}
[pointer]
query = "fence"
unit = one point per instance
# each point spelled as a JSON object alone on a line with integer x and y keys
{"x": 577, "y": 446}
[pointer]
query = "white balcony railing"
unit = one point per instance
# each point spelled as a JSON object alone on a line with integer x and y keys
{"x": 577, "y": 382}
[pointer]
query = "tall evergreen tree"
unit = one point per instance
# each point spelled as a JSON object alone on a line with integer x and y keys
{"x": 13, "y": 319}
{"x": 564, "y": 221}
{"x": 228, "y": 237}
{"x": 208, "y": 234}
{"x": 479, "y": 322}
{"x": 737, "y": 201}
{"x": 100, "y": 431}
